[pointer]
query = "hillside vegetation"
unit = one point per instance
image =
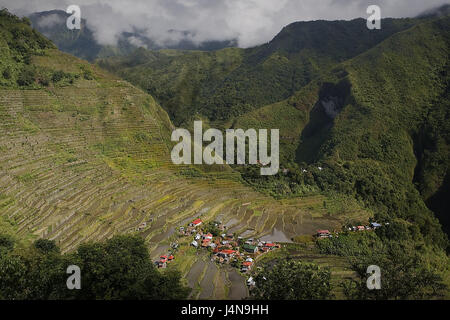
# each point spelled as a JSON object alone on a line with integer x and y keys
{"x": 86, "y": 156}
{"x": 223, "y": 84}
{"x": 382, "y": 136}
{"x": 386, "y": 142}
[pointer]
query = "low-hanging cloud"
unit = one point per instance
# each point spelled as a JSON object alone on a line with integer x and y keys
{"x": 50, "y": 21}
{"x": 251, "y": 22}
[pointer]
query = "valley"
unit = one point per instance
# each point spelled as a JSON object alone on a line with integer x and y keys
{"x": 85, "y": 152}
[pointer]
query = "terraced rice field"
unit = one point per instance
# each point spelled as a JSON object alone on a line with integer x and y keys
{"x": 212, "y": 281}
{"x": 90, "y": 160}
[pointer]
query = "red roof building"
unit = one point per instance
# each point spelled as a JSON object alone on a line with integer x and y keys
{"x": 228, "y": 251}
{"x": 197, "y": 222}
{"x": 323, "y": 233}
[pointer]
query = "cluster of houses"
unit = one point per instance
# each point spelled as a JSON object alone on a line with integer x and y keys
{"x": 226, "y": 248}
{"x": 164, "y": 260}
{"x": 167, "y": 258}
{"x": 192, "y": 228}
{"x": 254, "y": 248}
{"x": 239, "y": 252}
{"x": 371, "y": 226}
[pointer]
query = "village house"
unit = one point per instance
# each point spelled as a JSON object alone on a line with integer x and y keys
{"x": 207, "y": 236}
{"x": 229, "y": 252}
{"x": 250, "y": 248}
{"x": 270, "y": 245}
{"x": 323, "y": 234}
{"x": 251, "y": 282}
{"x": 196, "y": 223}
{"x": 375, "y": 225}
{"x": 164, "y": 260}
{"x": 205, "y": 243}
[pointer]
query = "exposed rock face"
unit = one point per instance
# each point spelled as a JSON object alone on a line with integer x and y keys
{"x": 331, "y": 106}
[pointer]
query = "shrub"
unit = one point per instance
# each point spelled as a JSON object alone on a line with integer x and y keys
{"x": 58, "y": 76}
{"x": 26, "y": 77}
{"x": 7, "y": 73}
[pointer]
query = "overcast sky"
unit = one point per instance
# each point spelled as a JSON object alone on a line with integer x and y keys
{"x": 251, "y": 22}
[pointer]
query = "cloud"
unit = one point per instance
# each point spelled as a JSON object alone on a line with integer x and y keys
{"x": 137, "y": 42}
{"x": 50, "y": 21}
{"x": 251, "y": 22}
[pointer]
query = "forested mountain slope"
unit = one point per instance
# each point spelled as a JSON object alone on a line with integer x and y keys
{"x": 224, "y": 84}
{"x": 378, "y": 121}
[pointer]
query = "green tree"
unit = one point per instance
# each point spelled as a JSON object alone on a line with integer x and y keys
{"x": 46, "y": 245}
{"x": 27, "y": 76}
{"x": 293, "y": 280}
{"x": 117, "y": 269}
{"x": 404, "y": 275}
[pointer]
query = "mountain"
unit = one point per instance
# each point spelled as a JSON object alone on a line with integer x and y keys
{"x": 436, "y": 12}
{"x": 378, "y": 122}
{"x": 85, "y": 155}
{"x": 224, "y": 84}
{"x": 83, "y": 44}
{"x": 369, "y": 106}
{"x": 80, "y": 43}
